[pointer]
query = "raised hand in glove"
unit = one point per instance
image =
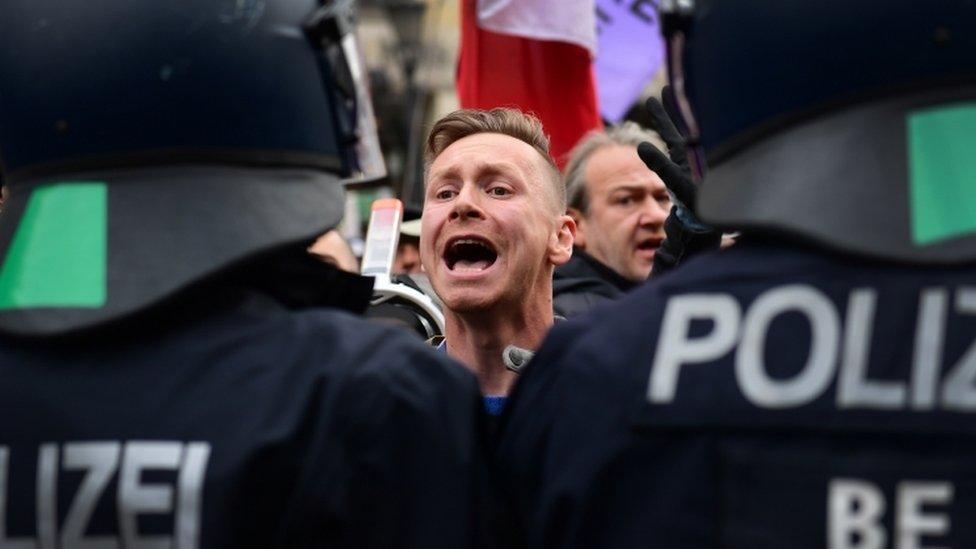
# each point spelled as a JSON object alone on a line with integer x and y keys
{"x": 686, "y": 234}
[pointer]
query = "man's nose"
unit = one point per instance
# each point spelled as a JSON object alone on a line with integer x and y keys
{"x": 467, "y": 204}
{"x": 653, "y": 214}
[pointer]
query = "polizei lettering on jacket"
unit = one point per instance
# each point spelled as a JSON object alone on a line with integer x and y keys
{"x": 839, "y": 349}
{"x": 98, "y": 464}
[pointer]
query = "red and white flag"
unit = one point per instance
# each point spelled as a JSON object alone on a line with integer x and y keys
{"x": 536, "y": 55}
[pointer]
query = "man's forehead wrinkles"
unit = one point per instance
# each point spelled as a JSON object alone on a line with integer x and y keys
{"x": 625, "y": 176}
{"x": 461, "y": 167}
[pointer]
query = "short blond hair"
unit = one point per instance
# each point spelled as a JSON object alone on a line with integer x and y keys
{"x": 511, "y": 122}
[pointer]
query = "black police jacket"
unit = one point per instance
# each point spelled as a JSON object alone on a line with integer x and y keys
{"x": 249, "y": 426}
{"x": 757, "y": 397}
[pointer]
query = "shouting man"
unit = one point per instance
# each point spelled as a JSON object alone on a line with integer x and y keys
{"x": 494, "y": 228}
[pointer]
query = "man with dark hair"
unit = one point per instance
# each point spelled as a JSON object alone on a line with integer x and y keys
{"x": 619, "y": 207}
{"x": 494, "y": 227}
{"x": 815, "y": 384}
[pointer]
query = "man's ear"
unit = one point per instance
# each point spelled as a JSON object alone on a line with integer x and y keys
{"x": 561, "y": 242}
{"x": 580, "y": 241}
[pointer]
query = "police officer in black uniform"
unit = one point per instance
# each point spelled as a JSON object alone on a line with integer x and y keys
{"x": 815, "y": 384}
{"x": 174, "y": 370}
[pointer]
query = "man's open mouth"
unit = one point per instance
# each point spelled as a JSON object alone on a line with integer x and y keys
{"x": 469, "y": 254}
{"x": 649, "y": 244}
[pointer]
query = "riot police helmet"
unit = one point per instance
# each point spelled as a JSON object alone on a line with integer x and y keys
{"x": 848, "y": 124}
{"x": 149, "y": 145}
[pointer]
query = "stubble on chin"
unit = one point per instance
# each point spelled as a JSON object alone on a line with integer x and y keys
{"x": 469, "y": 304}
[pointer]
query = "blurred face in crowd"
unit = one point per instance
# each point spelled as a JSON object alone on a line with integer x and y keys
{"x": 407, "y": 259}
{"x": 628, "y": 203}
{"x": 492, "y": 230}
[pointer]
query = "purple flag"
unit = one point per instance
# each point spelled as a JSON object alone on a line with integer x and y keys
{"x": 629, "y": 51}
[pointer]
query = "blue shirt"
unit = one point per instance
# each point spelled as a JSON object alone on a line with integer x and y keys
{"x": 494, "y": 404}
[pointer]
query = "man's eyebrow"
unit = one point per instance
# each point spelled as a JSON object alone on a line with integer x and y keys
{"x": 444, "y": 172}
{"x": 629, "y": 188}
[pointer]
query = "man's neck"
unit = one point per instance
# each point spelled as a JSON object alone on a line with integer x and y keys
{"x": 477, "y": 339}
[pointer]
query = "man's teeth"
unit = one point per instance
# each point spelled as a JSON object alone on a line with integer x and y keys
{"x": 466, "y": 265}
{"x": 470, "y": 241}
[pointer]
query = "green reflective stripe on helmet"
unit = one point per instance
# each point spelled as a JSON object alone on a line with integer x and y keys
{"x": 58, "y": 255}
{"x": 942, "y": 172}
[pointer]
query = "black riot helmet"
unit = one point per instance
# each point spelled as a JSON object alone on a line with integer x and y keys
{"x": 849, "y": 124}
{"x": 148, "y": 145}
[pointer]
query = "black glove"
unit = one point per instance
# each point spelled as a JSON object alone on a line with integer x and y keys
{"x": 686, "y": 234}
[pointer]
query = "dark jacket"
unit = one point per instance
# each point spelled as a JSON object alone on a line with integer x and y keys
{"x": 249, "y": 425}
{"x": 583, "y": 283}
{"x": 760, "y": 397}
